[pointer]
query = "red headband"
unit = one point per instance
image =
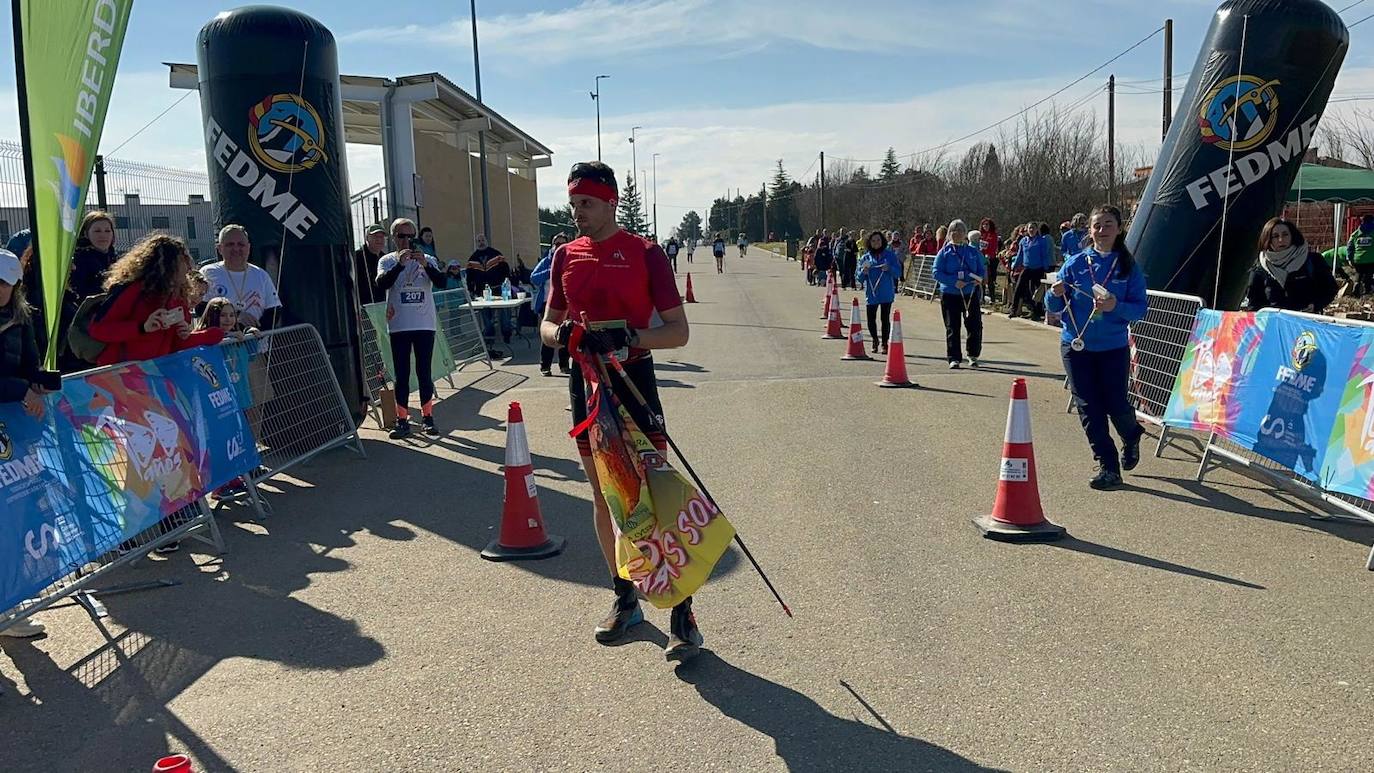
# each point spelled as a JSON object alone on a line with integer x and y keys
{"x": 597, "y": 190}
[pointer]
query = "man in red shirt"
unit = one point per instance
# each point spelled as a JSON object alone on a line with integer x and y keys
{"x": 624, "y": 287}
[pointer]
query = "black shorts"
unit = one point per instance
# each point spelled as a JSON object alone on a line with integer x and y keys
{"x": 641, "y": 373}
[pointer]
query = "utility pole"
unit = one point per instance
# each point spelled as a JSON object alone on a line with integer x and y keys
{"x": 481, "y": 135}
{"x": 1168, "y": 75}
{"x": 596, "y": 97}
{"x": 822, "y": 225}
{"x": 1111, "y": 140}
{"x": 655, "y": 162}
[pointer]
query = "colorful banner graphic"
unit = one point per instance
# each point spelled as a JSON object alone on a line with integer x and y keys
{"x": 1348, "y": 461}
{"x": 1217, "y": 362}
{"x": 71, "y": 52}
{"x": 1288, "y": 405}
{"x": 116, "y": 451}
{"x": 668, "y": 535}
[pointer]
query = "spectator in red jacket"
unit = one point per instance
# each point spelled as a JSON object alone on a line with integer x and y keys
{"x": 148, "y": 315}
{"x": 987, "y": 230}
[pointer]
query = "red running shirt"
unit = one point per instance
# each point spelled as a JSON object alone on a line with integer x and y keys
{"x": 622, "y": 278}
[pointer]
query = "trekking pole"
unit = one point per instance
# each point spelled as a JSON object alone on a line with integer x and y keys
{"x": 658, "y": 425}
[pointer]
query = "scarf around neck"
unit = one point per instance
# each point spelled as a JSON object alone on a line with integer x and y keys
{"x": 1281, "y": 264}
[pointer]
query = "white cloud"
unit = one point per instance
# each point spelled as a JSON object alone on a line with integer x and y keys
{"x": 606, "y": 29}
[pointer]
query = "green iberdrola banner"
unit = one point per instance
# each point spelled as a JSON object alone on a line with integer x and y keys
{"x": 71, "y": 52}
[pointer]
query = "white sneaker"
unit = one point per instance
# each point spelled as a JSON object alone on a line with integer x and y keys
{"x": 953, "y": 364}
{"x": 973, "y": 362}
{"x": 24, "y": 629}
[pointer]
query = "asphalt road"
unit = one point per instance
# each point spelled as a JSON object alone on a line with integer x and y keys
{"x": 1184, "y": 627}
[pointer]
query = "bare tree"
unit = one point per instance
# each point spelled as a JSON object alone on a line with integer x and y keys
{"x": 1350, "y": 136}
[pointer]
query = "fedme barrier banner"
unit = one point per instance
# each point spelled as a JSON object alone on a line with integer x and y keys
{"x": 115, "y": 452}
{"x": 1293, "y": 389}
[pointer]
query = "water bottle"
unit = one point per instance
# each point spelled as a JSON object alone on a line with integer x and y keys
{"x": 486, "y": 293}
{"x": 505, "y": 290}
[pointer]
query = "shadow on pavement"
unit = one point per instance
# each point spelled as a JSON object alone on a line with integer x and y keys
{"x": 1125, "y": 556}
{"x": 806, "y": 736}
{"x": 119, "y": 694}
{"x": 924, "y": 388}
{"x": 1212, "y": 496}
{"x": 1019, "y": 372}
{"x": 682, "y": 367}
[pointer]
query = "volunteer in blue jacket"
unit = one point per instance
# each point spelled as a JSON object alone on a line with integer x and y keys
{"x": 1075, "y": 240}
{"x": 880, "y": 269}
{"x": 960, "y": 270}
{"x": 1098, "y": 294}
{"x": 540, "y": 278}
{"x": 1033, "y": 262}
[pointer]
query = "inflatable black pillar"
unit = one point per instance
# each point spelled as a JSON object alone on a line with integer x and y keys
{"x": 1242, "y": 128}
{"x": 269, "y": 95}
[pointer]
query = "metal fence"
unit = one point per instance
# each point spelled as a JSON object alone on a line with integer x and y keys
{"x": 293, "y": 402}
{"x": 919, "y": 277}
{"x": 1216, "y": 446}
{"x": 367, "y": 207}
{"x": 194, "y": 521}
{"x": 143, "y": 198}
{"x": 1158, "y": 342}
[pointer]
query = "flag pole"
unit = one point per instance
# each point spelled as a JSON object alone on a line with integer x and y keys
{"x": 26, "y": 142}
{"x": 659, "y": 425}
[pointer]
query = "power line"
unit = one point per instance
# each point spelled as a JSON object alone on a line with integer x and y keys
{"x": 1352, "y": 5}
{"x": 150, "y": 123}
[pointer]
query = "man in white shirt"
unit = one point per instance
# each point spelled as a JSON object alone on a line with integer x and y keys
{"x": 249, "y": 287}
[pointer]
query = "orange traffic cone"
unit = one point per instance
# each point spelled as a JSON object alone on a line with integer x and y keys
{"x": 176, "y": 763}
{"x": 895, "y": 377}
{"x": 856, "y": 335}
{"x": 833, "y": 330}
{"x": 691, "y": 297}
{"x": 1016, "y": 514}
{"x": 522, "y": 527}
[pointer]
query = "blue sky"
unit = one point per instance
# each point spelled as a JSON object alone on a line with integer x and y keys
{"x": 722, "y": 87}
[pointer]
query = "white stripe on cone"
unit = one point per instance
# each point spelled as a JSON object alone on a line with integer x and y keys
{"x": 517, "y": 447}
{"x": 1018, "y": 422}
{"x": 895, "y": 336}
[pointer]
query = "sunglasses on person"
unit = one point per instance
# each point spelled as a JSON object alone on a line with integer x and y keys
{"x": 403, "y": 235}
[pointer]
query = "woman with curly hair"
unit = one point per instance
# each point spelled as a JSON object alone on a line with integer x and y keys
{"x": 147, "y": 314}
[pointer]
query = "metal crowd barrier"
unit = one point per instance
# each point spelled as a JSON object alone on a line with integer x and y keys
{"x": 919, "y": 279}
{"x": 1158, "y": 342}
{"x": 194, "y": 521}
{"x": 297, "y": 409}
{"x": 458, "y": 324}
{"x": 1351, "y": 507}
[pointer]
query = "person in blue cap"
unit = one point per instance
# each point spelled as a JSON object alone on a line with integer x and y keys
{"x": 960, "y": 269}
{"x": 1097, "y": 295}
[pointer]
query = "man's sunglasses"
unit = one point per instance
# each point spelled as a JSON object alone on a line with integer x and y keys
{"x": 402, "y": 236}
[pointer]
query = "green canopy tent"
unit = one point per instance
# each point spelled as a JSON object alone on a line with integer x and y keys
{"x": 1338, "y": 187}
{"x": 1318, "y": 183}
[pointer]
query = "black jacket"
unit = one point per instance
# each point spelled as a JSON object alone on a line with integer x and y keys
{"x": 365, "y": 267}
{"x": 89, "y": 266}
{"x": 18, "y": 359}
{"x": 1312, "y": 288}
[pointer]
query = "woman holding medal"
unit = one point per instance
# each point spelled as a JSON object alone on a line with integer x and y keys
{"x": 960, "y": 269}
{"x": 1098, "y": 294}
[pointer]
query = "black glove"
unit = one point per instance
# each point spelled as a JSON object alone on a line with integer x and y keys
{"x": 606, "y": 340}
{"x": 565, "y": 332}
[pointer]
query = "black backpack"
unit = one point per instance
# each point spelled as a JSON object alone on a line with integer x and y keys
{"x": 79, "y": 339}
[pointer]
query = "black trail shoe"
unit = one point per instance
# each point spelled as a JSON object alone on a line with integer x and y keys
{"x": 625, "y": 613}
{"x": 430, "y": 429}
{"x": 1106, "y": 479}
{"x": 684, "y": 638}
{"x": 402, "y": 429}
{"x": 1130, "y": 455}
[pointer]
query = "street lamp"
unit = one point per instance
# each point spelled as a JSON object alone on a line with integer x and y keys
{"x": 634, "y": 161}
{"x": 596, "y": 97}
{"x": 655, "y": 164}
{"x": 481, "y": 135}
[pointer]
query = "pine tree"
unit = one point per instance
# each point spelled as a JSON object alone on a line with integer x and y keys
{"x": 890, "y": 168}
{"x": 690, "y": 227}
{"x": 783, "y": 217}
{"x": 631, "y": 216}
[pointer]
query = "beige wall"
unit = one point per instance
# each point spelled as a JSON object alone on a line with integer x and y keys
{"x": 453, "y": 202}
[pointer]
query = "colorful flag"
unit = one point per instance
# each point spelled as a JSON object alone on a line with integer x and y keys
{"x": 669, "y": 536}
{"x": 71, "y": 51}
